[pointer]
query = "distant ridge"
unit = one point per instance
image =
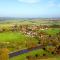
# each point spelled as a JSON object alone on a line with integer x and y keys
{"x": 15, "y": 18}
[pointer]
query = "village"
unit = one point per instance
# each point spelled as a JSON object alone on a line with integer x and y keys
{"x": 48, "y": 42}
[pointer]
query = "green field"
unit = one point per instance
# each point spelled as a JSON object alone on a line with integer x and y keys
{"x": 13, "y": 36}
{"x": 51, "y": 31}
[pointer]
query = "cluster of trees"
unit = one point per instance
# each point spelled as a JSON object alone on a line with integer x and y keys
{"x": 51, "y": 43}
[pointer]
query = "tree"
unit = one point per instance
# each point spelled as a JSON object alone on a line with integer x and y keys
{"x": 4, "y": 54}
{"x": 50, "y": 49}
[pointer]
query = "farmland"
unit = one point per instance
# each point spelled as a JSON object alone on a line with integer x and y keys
{"x": 28, "y": 34}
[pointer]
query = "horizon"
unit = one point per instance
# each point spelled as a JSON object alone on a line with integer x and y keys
{"x": 30, "y": 8}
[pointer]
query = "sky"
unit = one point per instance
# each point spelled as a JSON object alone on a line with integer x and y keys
{"x": 30, "y": 8}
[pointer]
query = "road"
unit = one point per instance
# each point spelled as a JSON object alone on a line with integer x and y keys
{"x": 13, "y": 54}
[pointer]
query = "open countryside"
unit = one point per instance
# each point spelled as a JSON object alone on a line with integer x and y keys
{"x": 29, "y": 29}
{"x": 30, "y": 41}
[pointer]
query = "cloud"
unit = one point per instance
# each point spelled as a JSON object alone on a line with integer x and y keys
{"x": 29, "y": 1}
